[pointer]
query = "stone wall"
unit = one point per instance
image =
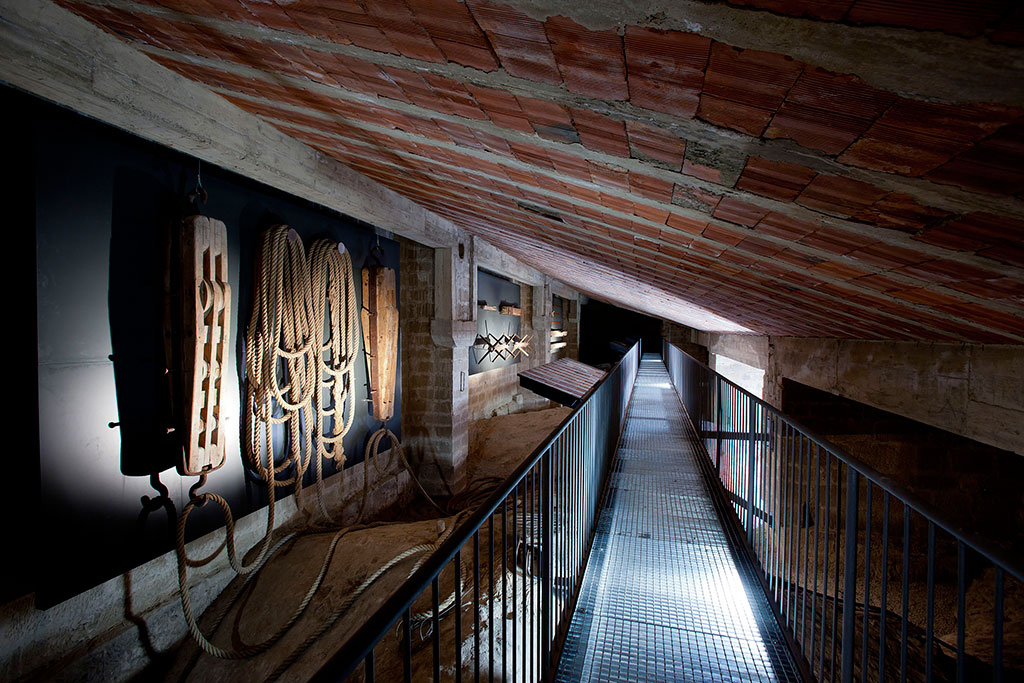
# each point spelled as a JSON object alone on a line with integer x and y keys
{"x": 497, "y": 392}
{"x": 684, "y": 338}
{"x": 949, "y": 471}
{"x": 974, "y": 390}
{"x": 434, "y": 375}
{"x": 572, "y": 326}
{"x": 416, "y": 311}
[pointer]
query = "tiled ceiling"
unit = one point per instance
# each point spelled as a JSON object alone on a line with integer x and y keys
{"x": 730, "y": 189}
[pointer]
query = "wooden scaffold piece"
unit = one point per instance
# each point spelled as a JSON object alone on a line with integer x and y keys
{"x": 206, "y": 316}
{"x": 380, "y": 338}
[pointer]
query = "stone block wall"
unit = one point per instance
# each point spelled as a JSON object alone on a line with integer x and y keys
{"x": 416, "y": 311}
{"x": 974, "y": 390}
{"x": 427, "y": 373}
{"x": 572, "y": 326}
{"x": 949, "y": 471}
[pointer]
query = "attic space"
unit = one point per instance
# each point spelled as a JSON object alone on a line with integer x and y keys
{"x": 411, "y": 340}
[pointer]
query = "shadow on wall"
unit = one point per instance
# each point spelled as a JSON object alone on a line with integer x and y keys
{"x": 977, "y": 482}
{"x": 138, "y": 326}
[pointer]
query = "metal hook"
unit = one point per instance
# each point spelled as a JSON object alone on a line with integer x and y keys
{"x": 376, "y": 252}
{"x": 193, "y": 495}
{"x": 200, "y": 191}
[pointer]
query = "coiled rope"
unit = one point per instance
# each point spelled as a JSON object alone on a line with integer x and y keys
{"x": 333, "y": 287}
{"x": 300, "y": 352}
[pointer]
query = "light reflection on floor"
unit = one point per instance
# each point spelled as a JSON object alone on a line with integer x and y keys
{"x": 663, "y": 598}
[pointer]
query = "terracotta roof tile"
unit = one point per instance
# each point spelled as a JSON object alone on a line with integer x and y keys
{"x": 519, "y": 41}
{"x": 736, "y": 211}
{"x": 775, "y": 179}
{"x": 600, "y": 132}
{"x": 455, "y": 32}
{"x": 914, "y": 137}
{"x": 960, "y": 17}
{"x": 591, "y": 62}
{"x": 656, "y": 143}
{"x": 781, "y": 225}
{"x": 995, "y": 165}
{"x": 747, "y": 84}
{"x": 828, "y": 111}
{"x": 837, "y": 196}
{"x": 665, "y": 69}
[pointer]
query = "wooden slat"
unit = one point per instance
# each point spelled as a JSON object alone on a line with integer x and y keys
{"x": 206, "y": 303}
{"x": 380, "y": 338}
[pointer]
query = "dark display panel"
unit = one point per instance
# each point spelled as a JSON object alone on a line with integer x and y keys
{"x": 101, "y": 203}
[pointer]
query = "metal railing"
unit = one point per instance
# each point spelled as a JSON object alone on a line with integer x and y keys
{"x": 496, "y": 598}
{"x": 869, "y": 581}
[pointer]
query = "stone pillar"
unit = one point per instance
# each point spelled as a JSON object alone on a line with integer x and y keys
{"x": 539, "y": 320}
{"x": 571, "y": 323}
{"x": 438, "y": 327}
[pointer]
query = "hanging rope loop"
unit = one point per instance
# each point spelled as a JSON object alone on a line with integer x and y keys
{"x": 301, "y": 348}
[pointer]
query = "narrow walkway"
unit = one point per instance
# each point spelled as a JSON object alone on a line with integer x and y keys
{"x": 664, "y": 597}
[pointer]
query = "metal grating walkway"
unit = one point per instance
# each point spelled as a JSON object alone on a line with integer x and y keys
{"x": 664, "y": 597}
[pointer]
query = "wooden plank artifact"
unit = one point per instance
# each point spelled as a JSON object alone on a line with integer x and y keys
{"x": 509, "y": 309}
{"x": 380, "y": 338}
{"x": 206, "y": 328}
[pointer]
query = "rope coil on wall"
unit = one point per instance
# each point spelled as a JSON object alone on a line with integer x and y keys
{"x": 334, "y": 288}
{"x": 300, "y": 351}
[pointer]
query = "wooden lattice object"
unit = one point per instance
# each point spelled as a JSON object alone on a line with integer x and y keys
{"x": 206, "y": 329}
{"x": 380, "y": 338}
{"x": 502, "y": 348}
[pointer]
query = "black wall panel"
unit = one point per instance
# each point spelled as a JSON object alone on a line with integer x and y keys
{"x": 100, "y": 202}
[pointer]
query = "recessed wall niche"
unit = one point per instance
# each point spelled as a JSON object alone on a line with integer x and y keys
{"x": 498, "y": 324}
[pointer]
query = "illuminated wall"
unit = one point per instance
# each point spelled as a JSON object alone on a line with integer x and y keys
{"x": 102, "y": 201}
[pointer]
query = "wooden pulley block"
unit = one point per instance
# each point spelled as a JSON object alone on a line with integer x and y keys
{"x": 206, "y": 330}
{"x": 380, "y": 338}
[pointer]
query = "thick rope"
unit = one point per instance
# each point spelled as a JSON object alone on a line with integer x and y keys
{"x": 301, "y": 347}
{"x": 336, "y": 614}
{"x": 333, "y": 289}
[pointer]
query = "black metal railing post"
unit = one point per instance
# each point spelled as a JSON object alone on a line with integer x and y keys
{"x": 850, "y": 573}
{"x": 587, "y": 438}
{"x": 547, "y": 560}
{"x": 719, "y": 429}
{"x": 750, "y": 471}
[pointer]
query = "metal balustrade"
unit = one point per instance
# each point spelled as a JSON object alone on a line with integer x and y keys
{"x": 509, "y": 575}
{"x": 859, "y": 569}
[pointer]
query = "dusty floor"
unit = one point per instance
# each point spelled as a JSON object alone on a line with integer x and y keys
{"x": 256, "y": 610}
{"x": 498, "y": 444}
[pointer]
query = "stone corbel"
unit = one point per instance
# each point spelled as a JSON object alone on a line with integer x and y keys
{"x": 453, "y": 334}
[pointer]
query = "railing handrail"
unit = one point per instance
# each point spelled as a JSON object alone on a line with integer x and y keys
{"x": 362, "y": 642}
{"x": 933, "y": 514}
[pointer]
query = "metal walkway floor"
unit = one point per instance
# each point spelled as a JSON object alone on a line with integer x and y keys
{"x": 665, "y": 597}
